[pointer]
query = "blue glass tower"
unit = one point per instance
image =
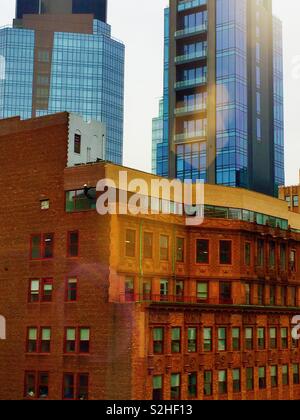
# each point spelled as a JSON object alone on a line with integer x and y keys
{"x": 223, "y": 94}
{"x": 76, "y": 66}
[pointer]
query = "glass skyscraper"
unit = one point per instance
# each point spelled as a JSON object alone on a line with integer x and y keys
{"x": 223, "y": 94}
{"x": 157, "y": 134}
{"x": 55, "y": 63}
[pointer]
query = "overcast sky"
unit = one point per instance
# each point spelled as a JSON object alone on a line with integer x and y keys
{"x": 139, "y": 24}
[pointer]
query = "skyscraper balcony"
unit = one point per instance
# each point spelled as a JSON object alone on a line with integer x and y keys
{"x": 191, "y": 83}
{"x": 191, "y": 57}
{"x": 190, "y": 135}
{"x": 190, "y": 4}
{"x": 190, "y": 108}
{"x": 194, "y": 30}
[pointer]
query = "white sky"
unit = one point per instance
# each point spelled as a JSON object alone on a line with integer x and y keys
{"x": 139, "y": 24}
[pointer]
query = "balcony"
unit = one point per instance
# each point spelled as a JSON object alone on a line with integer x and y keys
{"x": 190, "y": 4}
{"x": 178, "y": 138}
{"x": 181, "y": 59}
{"x": 190, "y": 109}
{"x": 194, "y": 30}
{"x": 185, "y": 84}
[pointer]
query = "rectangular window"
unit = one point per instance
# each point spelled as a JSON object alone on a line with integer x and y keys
{"x": 273, "y": 338}
{"x": 45, "y": 340}
{"x": 158, "y": 340}
{"x": 293, "y": 293}
{"x": 84, "y": 340}
{"x": 292, "y": 262}
{"x": 147, "y": 289}
{"x": 77, "y": 144}
{"x": 249, "y": 338}
{"x": 129, "y": 289}
{"x": 225, "y": 293}
{"x": 274, "y": 376}
{"x": 192, "y": 340}
{"x": 77, "y": 340}
{"x": 164, "y": 248}
{"x": 176, "y": 340}
{"x": 225, "y": 252}
{"x": 208, "y": 386}
{"x": 222, "y": 339}
{"x": 34, "y": 291}
{"x": 283, "y": 257}
{"x": 236, "y": 376}
{"x": 272, "y": 259}
{"x": 284, "y": 339}
{"x": 71, "y": 290}
{"x": 130, "y": 243}
{"x": 73, "y": 244}
{"x": 42, "y": 246}
{"x": 247, "y": 254}
{"x": 273, "y": 290}
{"x": 262, "y": 383}
{"x": 236, "y": 340}
{"x": 148, "y": 245}
{"x": 248, "y": 290}
{"x": 202, "y": 250}
{"x": 81, "y": 200}
{"x": 261, "y": 294}
{"x": 32, "y": 340}
{"x": 179, "y": 291}
{"x": 175, "y": 386}
{"x": 164, "y": 290}
{"x": 250, "y": 379}
{"x": 260, "y": 253}
{"x": 192, "y": 385}
{"x": 283, "y": 296}
{"x": 76, "y": 386}
{"x": 180, "y": 250}
{"x": 207, "y": 332}
{"x": 285, "y": 375}
{"x": 47, "y": 289}
{"x": 70, "y": 340}
{"x": 202, "y": 292}
{"x": 157, "y": 388}
{"x": 296, "y": 377}
{"x": 222, "y": 382}
{"x": 261, "y": 339}
{"x": 36, "y": 385}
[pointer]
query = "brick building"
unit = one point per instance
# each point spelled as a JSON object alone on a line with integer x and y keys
{"x": 291, "y": 195}
{"x": 135, "y": 307}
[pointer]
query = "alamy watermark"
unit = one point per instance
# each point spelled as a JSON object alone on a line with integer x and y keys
{"x": 140, "y": 197}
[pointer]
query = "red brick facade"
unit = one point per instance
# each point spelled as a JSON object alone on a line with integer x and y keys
{"x": 125, "y": 299}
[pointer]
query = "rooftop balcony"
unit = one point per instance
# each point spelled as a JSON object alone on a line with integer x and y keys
{"x": 190, "y": 4}
{"x": 195, "y": 30}
{"x": 181, "y": 59}
{"x": 184, "y": 84}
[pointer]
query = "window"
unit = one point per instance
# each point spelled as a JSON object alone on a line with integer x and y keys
{"x": 295, "y": 201}
{"x": 261, "y": 294}
{"x": 158, "y": 340}
{"x": 273, "y": 338}
{"x": 285, "y": 375}
{"x": 293, "y": 292}
{"x": 40, "y": 290}
{"x": 45, "y": 340}
{"x": 222, "y": 339}
{"x": 283, "y": 296}
{"x": 71, "y": 290}
{"x": 222, "y": 382}
{"x": 202, "y": 256}
{"x": 247, "y": 254}
{"x": 36, "y": 385}
{"x": 284, "y": 339}
{"x": 175, "y": 386}
{"x": 225, "y": 293}
{"x": 76, "y": 386}
{"x": 236, "y": 341}
{"x": 236, "y": 376}
{"x": 260, "y": 253}
{"x": 42, "y": 246}
{"x": 148, "y": 245}
{"x": 249, "y": 338}
{"x": 77, "y": 144}
{"x": 130, "y": 243}
{"x": 248, "y": 290}
{"x": 272, "y": 259}
{"x": 262, "y": 384}
{"x": 273, "y": 295}
{"x": 261, "y": 340}
{"x": 180, "y": 250}
{"x": 129, "y": 289}
{"x": 179, "y": 291}
{"x": 164, "y": 290}
{"x": 164, "y": 248}
{"x": 274, "y": 376}
{"x": 202, "y": 292}
{"x": 157, "y": 388}
{"x": 225, "y": 252}
{"x": 77, "y": 340}
{"x": 176, "y": 340}
{"x": 192, "y": 385}
{"x": 192, "y": 340}
{"x": 283, "y": 257}
{"x": 296, "y": 377}
{"x": 208, "y": 386}
{"x": 73, "y": 244}
{"x": 81, "y": 200}
{"x": 147, "y": 289}
{"x": 45, "y": 204}
{"x": 32, "y": 340}
{"x": 250, "y": 379}
{"x": 292, "y": 262}
{"x": 207, "y": 332}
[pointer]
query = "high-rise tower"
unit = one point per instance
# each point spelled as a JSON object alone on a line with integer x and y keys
{"x": 223, "y": 94}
